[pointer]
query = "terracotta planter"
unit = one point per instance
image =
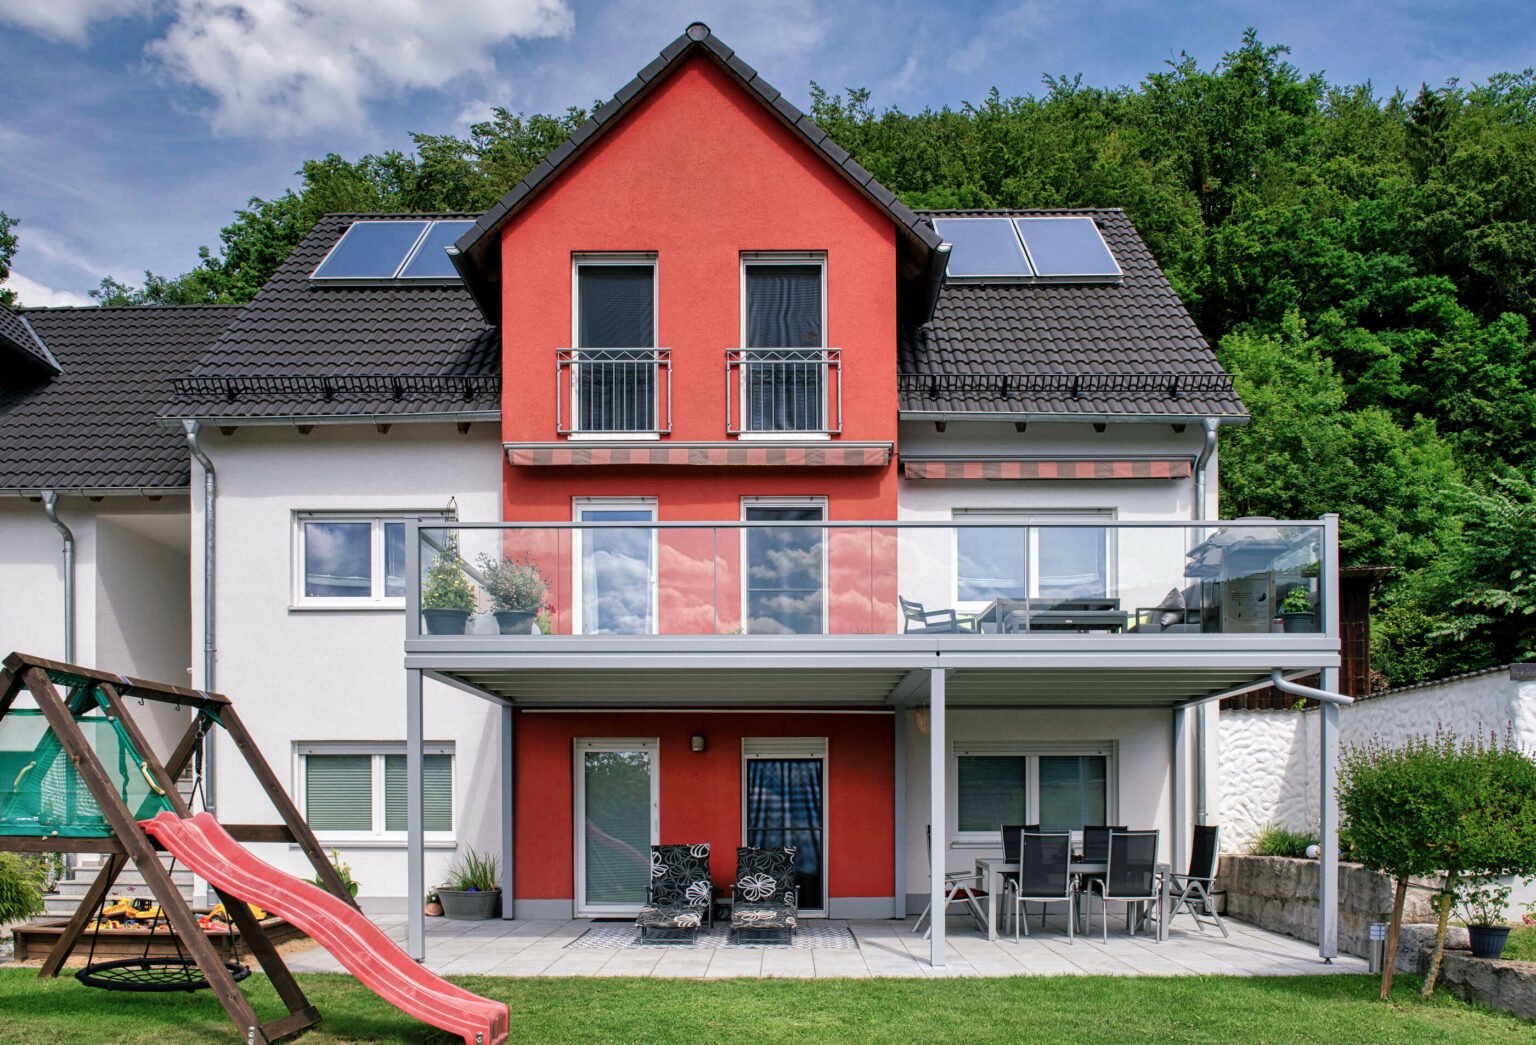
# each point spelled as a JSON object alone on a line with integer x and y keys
{"x": 469, "y": 904}
{"x": 434, "y": 910}
{"x": 1487, "y": 940}
{"x": 445, "y": 622}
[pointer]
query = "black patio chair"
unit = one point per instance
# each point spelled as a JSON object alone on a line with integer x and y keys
{"x": 1193, "y": 892}
{"x": 1131, "y": 877}
{"x": 1095, "y": 851}
{"x": 765, "y": 900}
{"x": 679, "y": 898}
{"x": 1045, "y": 877}
{"x": 1010, "y": 833}
{"x": 918, "y": 619}
{"x": 959, "y": 887}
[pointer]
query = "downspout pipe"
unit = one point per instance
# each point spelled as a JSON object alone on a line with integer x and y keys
{"x": 1296, "y": 689}
{"x": 51, "y": 507}
{"x": 210, "y": 546}
{"x": 1206, "y": 450}
{"x": 1197, "y": 512}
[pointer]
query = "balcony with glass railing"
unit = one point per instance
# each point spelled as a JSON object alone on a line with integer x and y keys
{"x": 529, "y": 582}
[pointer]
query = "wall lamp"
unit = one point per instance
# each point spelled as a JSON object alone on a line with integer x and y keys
{"x": 696, "y": 742}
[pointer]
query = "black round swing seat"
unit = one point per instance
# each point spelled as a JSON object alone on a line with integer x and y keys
{"x": 152, "y": 974}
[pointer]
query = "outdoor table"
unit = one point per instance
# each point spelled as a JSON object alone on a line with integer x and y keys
{"x": 992, "y": 869}
{"x": 1051, "y": 615}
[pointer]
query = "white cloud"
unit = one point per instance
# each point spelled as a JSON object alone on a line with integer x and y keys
{"x": 277, "y": 67}
{"x": 36, "y": 295}
{"x": 66, "y": 19}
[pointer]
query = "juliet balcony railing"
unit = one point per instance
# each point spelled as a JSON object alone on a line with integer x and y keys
{"x": 783, "y": 390}
{"x": 552, "y": 581}
{"x": 613, "y": 391}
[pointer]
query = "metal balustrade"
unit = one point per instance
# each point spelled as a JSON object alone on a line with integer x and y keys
{"x": 613, "y": 390}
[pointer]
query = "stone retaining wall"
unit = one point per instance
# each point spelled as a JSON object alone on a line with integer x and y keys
{"x": 1279, "y": 893}
{"x": 1498, "y": 984}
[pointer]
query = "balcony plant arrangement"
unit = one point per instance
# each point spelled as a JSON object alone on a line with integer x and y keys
{"x": 472, "y": 892}
{"x": 447, "y": 597}
{"x": 1296, "y": 611}
{"x": 1483, "y": 904}
{"x": 517, "y": 590}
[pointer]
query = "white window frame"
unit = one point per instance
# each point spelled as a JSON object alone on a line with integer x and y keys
{"x": 376, "y": 599}
{"x": 1031, "y": 751}
{"x": 618, "y": 504}
{"x": 772, "y": 748}
{"x": 628, "y": 259}
{"x": 782, "y": 257}
{"x": 376, "y": 750}
{"x": 786, "y": 501}
{"x": 579, "y": 746}
{"x": 1034, "y": 518}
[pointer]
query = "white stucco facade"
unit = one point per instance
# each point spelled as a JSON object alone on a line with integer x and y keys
{"x": 302, "y": 676}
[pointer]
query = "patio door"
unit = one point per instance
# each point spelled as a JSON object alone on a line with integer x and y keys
{"x": 785, "y": 799}
{"x": 616, "y": 568}
{"x": 617, "y": 822}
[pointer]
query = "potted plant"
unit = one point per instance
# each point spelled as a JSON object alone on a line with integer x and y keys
{"x": 517, "y": 591}
{"x": 1483, "y": 903}
{"x": 471, "y": 891}
{"x": 447, "y": 597}
{"x": 434, "y": 905}
{"x": 343, "y": 871}
{"x": 1296, "y": 611}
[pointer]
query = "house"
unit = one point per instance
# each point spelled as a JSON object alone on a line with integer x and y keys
{"x": 753, "y": 506}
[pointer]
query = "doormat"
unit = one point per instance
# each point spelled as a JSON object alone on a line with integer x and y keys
{"x": 810, "y": 936}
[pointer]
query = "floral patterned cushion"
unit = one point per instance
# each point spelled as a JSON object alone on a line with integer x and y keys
{"x": 763, "y": 916}
{"x": 680, "y": 876}
{"x": 670, "y": 916}
{"x": 764, "y": 875}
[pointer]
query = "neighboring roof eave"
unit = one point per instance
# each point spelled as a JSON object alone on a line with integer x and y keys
{"x": 476, "y": 249}
{"x": 332, "y": 420}
{"x": 152, "y": 493}
{"x": 1025, "y": 416}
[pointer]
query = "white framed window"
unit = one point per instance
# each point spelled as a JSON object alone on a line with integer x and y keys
{"x": 1031, "y": 558}
{"x": 615, "y": 568}
{"x": 614, "y": 324}
{"x": 351, "y": 560}
{"x": 784, "y": 570}
{"x": 783, "y": 383}
{"x": 354, "y": 792}
{"x": 1059, "y": 785}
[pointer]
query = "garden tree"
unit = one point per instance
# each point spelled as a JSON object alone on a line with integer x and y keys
{"x": 1489, "y": 583}
{"x": 7, "y": 252}
{"x": 21, "y": 888}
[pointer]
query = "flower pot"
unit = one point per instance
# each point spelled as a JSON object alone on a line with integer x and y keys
{"x": 1299, "y": 622}
{"x": 445, "y": 622}
{"x": 433, "y": 910}
{"x": 1488, "y": 940}
{"x": 515, "y": 622}
{"x": 470, "y": 904}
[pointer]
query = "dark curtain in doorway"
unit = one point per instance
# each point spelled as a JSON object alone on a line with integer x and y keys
{"x": 784, "y": 804}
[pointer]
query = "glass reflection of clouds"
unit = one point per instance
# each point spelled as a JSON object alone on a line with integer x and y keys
{"x": 785, "y": 572}
{"x": 338, "y": 559}
{"x": 616, "y": 574}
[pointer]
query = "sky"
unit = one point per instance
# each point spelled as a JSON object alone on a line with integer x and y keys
{"x": 131, "y": 130}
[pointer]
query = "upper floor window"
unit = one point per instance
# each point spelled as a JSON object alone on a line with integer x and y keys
{"x": 1030, "y": 558}
{"x": 783, "y": 363}
{"x": 615, "y": 360}
{"x": 350, "y": 561}
{"x": 785, "y": 567}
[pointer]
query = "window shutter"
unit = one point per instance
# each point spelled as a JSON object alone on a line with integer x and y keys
{"x": 992, "y": 791}
{"x": 338, "y": 792}
{"x": 1073, "y": 792}
{"x": 437, "y": 788}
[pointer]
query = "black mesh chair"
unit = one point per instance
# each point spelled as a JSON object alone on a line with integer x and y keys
{"x": 1131, "y": 877}
{"x": 1045, "y": 877}
{"x": 1192, "y": 892}
{"x": 959, "y": 887}
{"x": 679, "y": 896}
{"x": 1095, "y": 851}
{"x": 1010, "y": 835}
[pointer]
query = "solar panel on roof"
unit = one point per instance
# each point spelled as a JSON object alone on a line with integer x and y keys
{"x": 1067, "y": 248}
{"x": 430, "y": 261}
{"x": 983, "y": 247}
{"x": 370, "y": 250}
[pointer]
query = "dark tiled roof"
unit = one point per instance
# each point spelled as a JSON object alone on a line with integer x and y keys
{"x": 477, "y": 246}
{"x": 301, "y": 350}
{"x": 93, "y": 427}
{"x": 20, "y": 349}
{"x": 1123, "y": 349}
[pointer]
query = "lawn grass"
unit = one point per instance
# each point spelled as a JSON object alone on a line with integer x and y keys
{"x": 1522, "y": 944}
{"x": 1323, "y": 1009}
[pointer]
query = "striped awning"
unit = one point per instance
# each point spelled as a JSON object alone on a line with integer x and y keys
{"x": 1047, "y": 468}
{"x": 735, "y": 454}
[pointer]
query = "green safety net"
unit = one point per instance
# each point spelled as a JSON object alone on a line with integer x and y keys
{"x": 42, "y": 793}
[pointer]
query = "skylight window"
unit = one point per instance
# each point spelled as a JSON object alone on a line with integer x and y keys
{"x": 374, "y": 251}
{"x": 1067, "y": 248}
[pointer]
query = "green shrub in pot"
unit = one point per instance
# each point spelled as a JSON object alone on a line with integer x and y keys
{"x": 472, "y": 890}
{"x": 447, "y": 596}
{"x": 516, "y": 588}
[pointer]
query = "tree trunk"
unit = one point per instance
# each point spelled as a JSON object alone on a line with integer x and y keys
{"x": 1394, "y": 933}
{"x": 1444, "y": 904}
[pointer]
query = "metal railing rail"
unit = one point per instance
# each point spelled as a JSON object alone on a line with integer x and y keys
{"x": 783, "y": 390}
{"x": 613, "y": 390}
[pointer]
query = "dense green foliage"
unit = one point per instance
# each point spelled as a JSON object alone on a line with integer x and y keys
{"x": 1276, "y": 840}
{"x": 7, "y": 252}
{"x": 21, "y": 888}
{"x": 1365, "y": 264}
{"x": 1201, "y": 1009}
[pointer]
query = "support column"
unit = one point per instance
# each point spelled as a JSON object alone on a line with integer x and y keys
{"x": 899, "y": 825}
{"x": 1328, "y": 823}
{"x": 415, "y": 833}
{"x": 508, "y": 796}
{"x": 939, "y": 831}
{"x": 1178, "y": 820}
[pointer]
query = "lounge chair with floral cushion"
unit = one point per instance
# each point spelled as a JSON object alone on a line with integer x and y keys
{"x": 680, "y": 896}
{"x": 765, "y": 900}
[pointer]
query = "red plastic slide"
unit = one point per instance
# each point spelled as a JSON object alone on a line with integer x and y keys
{"x": 362, "y": 947}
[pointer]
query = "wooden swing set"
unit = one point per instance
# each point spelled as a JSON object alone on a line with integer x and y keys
{"x": 99, "y": 699}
